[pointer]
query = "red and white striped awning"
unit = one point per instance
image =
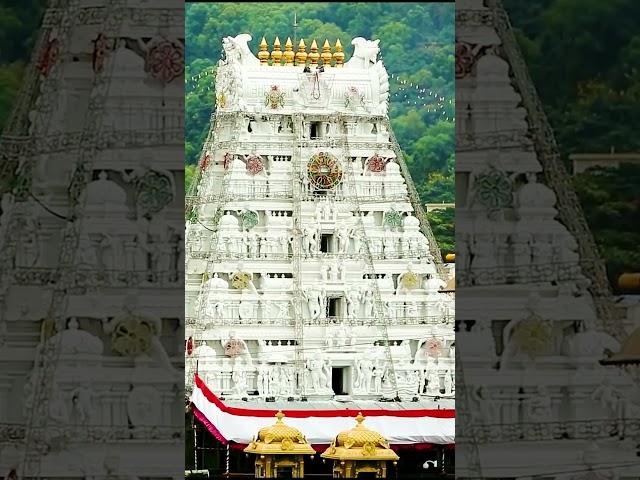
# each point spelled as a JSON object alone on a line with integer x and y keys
{"x": 397, "y": 425}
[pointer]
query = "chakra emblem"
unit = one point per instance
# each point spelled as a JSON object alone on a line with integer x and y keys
{"x": 324, "y": 171}
{"x": 433, "y": 346}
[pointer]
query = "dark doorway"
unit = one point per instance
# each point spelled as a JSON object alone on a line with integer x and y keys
{"x": 337, "y": 380}
{"x": 315, "y": 130}
{"x": 334, "y": 307}
{"x": 325, "y": 243}
{"x": 285, "y": 472}
{"x": 367, "y": 475}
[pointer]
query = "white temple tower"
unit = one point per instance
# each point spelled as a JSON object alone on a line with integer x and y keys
{"x": 310, "y": 268}
{"x": 91, "y": 230}
{"x": 534, "y": 314}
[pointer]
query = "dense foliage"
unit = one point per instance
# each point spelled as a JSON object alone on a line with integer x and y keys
{"x": 18, "y": 30}
{"x": 417, "y": 45}
{"x": 583, "y": 56}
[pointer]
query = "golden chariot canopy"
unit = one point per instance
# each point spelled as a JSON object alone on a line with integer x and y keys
{"x": 280, "y": 439}
{"x": 360, "y": 443}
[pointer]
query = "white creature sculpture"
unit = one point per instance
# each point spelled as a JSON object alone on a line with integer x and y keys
{"x": 365, "y": 53}
{"x": 237, "y": 49}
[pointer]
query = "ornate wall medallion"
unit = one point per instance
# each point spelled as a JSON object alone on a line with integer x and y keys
{"x": 249, "y": 219}
{"x": 274, "y": 98}
{"x": 324, "y": 171}
{"x": 376, "y": 164}
{"x": 255, "y": 164}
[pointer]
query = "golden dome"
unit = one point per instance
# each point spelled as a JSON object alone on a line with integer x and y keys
{"x": 280, "y": 438}
{"x": 360, "y": 443}
{"x": 279, "y": 431}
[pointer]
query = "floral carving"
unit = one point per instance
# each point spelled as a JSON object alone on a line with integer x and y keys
{"x": 533, "y": 335}
{"x": 410, "y": 280}
{"x": 165, "y": 61}
{"x": 154, "y": 192}
{"x": 393, "y": 219}
{"x": 494, "y": 189}
{"x": 254, "y": 165}
{"x": 433, "y": 346}
{"x": 240, "y": 280}
{"x": 249, "y": 219}
{"x": 131, "y": 337}
{"x": 376, "y": 164}
{"x": 232, "y": 348}
{"x": 274, "y": 98}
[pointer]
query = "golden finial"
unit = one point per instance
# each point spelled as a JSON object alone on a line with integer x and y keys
{"x": 263, "y": 54}
{"x": 314, "y": 55}
{"x": 360, "y": 419}
{"x": 276, "y": 55}
{"x": 338, "y": 55}
{"x": 288, "y": 52}
{"x": 301, "y": 54}
{"x": 280, "y": 416}
{"x": 326, "y": 53}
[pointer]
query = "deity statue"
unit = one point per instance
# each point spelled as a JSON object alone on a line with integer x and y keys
{"x": 353, "y": 303}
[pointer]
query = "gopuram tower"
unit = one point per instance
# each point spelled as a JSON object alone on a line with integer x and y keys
{"x": 311, "y": 271}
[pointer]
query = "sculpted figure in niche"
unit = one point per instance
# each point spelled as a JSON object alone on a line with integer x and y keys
{"x": 263, "y": 379}
{"x": 353, "y": 303}
{"x": 314, "y": 302}
{"x": 343, "y": 240}
{"x": 81, "y": 409}
{"x": 368, "y": 304}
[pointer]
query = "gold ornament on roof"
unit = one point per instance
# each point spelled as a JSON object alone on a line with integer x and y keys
{"x": 360, "y": 442}
{"x": 301, "y": 54}
{"x": 326, "y": 54}
{"x": 240, "y": 280}
{"x": 338, "y": 55}
{"x": 314, "y": 55}
{"x": 276, "y": 55}
{"x": 279, "y": 438}
{"x": 263, "y": 54}
{"x": 289, "y": 55}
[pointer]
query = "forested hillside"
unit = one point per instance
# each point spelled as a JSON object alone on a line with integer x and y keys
{"x": 417, "y": 47}
{"x": 584, "y": 57}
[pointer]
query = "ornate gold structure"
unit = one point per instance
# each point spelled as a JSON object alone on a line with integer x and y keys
{"x": 338, "y": 55}
{"x": 276, "y": 55}
{"x": 326, "y": 54}
{"x": 279, "y": 450}
{"x": 301, "y": 54}
{"x": 263, "y": 54}
{"x": 314, "y": 55}
{"x": 360, "y": 450}
{"x": 288, "y": 52}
